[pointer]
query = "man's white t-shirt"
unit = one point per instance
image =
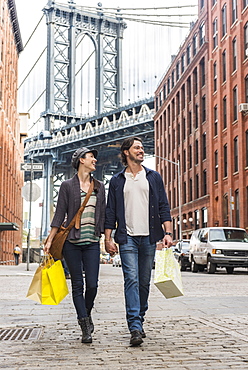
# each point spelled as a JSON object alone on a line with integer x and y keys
{"x": 136, "y": 201}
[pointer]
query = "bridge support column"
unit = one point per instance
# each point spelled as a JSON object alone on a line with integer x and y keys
{"x": 48, "y": 196}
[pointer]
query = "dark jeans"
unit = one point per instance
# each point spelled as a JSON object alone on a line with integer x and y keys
{"x": 137, "y": 257}
{"x": 16, "y": 258}
{"x": 88, "y": 255}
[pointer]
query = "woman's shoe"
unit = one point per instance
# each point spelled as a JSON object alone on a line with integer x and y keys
{"x": 85, "y": 326}
{"x": 91, "y": 324}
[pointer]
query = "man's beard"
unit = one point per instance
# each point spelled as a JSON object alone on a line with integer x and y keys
{"x": 135, "y": 160}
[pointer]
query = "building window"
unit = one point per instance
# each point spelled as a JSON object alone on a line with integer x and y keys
{"x": 234, "y": 49}
{"x": 190, "y": 190}
{"x": 183, "y": 63}
{"x": 246, "y": 40}
{"x": 246, "y": 149}
{"x": 196, "y": 186}
{"x": 196, "y": 152}
{"x": 190, "y": 122}
{"x": 190, "y": 156}
{"x": 224, "y": 113}
{"x": 195, "y": 81}
{"x": 201, "y": 4}
{"x": 236, "y": 154}
{"x": 236, "y": 206}
{"x": 224, "y": 66}
{"x": 245, "y": 3}
{"x": 173, "y": 109}
{"x": 172, "y": 79}
{"x": 188, "y": 54}
{"x": 184, "y": 160}
{"x": 184, "y": 192}
{"x": 178, "y": 134}
{"x": 156, "y": 104}
{"x": 202, "y": 70}
{"x": 214, "y": 2}
{"x": 215, "y": 76}
{"x": 194, "y": 44}
{"x": 225, "y": 161}
{"x": 178, "y": 103}
{"x": 204, "y": 217}
{"x": 223, "y": 13}
{"x": 235, "y": 103}
{"x": 215, "y": 33}
{"x": 189, "y": 88}
{"x": 234, "y": 10}
{"x": 203, "y": 108}
{"x": 204, "y": 146}
{"x": 204, "y": 183}
{"x": 183, "y": 97}
{"x": 196, "y": 116}
{"x": 216, "y": 165}
{"x": 178, "y": 70}
{"x": 164, "y": 91}
{"x": 202, "y": 33}
{"x": 184, "y": 128}
{"x": 168, "y": 86}
{"x": 215, "y": 120}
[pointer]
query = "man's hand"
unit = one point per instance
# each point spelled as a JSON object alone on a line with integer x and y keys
{"x": 167, "y": 241}
{"x": 111, "y": 247}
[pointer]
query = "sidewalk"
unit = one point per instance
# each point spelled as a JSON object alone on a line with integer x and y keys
{"x": 205, "y": 329}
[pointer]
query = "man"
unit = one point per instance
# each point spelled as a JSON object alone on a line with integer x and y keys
{"x": 17, "y": 251}
{"x": 138, "y": 205}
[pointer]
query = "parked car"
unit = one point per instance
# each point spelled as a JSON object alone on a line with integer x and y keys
{"x": 213, "y": 247}
{"x": 181, "y": 253}
{"x": 116, "y": 261}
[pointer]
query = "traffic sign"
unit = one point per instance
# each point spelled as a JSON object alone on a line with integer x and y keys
{"x": 36, "y": 166}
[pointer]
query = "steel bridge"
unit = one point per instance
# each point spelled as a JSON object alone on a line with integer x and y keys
{"x": 64, "y": 131}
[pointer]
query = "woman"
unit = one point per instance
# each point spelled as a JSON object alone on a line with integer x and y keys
{"x": 82, "y": 247}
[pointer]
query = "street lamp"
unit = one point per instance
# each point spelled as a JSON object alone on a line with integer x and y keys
{"x": 179, "y": 191}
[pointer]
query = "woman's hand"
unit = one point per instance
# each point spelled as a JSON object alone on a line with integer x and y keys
{"x": 47, "y": 246}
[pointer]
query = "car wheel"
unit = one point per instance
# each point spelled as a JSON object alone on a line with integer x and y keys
{"x": 194, "y": 266}
{"x": 229, "y": 270}
{"x": 182, "y": 266}
{"x": 211, "y": 267}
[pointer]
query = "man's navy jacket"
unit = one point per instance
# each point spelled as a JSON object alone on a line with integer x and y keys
{"x": 159, "y": 209}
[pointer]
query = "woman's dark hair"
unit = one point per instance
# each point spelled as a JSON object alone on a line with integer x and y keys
{"x": 127, "y": 143}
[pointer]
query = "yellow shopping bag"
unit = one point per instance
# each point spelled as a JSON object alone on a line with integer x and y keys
{"x": 167, "y": 277}
{"x": 49, "y": 284}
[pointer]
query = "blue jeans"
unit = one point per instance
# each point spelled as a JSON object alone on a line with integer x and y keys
{"x": 87, "y": 256}
{"x": 137, "y": 258}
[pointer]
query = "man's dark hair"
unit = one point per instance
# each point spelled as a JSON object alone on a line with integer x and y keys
{"x": 127, "y": 143}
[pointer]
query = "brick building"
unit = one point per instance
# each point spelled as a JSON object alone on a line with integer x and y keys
{"x": 11, "y": 148}
{"x": 201, "y": 120}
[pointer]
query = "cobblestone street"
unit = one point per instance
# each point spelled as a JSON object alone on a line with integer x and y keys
{"x": 207, "y": 328}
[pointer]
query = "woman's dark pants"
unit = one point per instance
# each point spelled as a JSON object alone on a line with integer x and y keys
{"x": 79, "y": 258}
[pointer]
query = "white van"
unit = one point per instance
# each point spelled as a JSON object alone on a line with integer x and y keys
{"x": 213, "y": 247}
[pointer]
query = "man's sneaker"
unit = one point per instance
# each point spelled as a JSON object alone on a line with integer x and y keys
{"x": 136, "y": 338}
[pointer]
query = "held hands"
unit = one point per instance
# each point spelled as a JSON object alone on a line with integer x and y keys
{"x": 111, "y": 247}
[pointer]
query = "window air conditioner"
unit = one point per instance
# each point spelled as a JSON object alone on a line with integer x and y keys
{"x": 243, "y": 107}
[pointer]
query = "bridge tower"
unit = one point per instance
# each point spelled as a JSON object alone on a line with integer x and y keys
{"x": 65, "y": 25}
